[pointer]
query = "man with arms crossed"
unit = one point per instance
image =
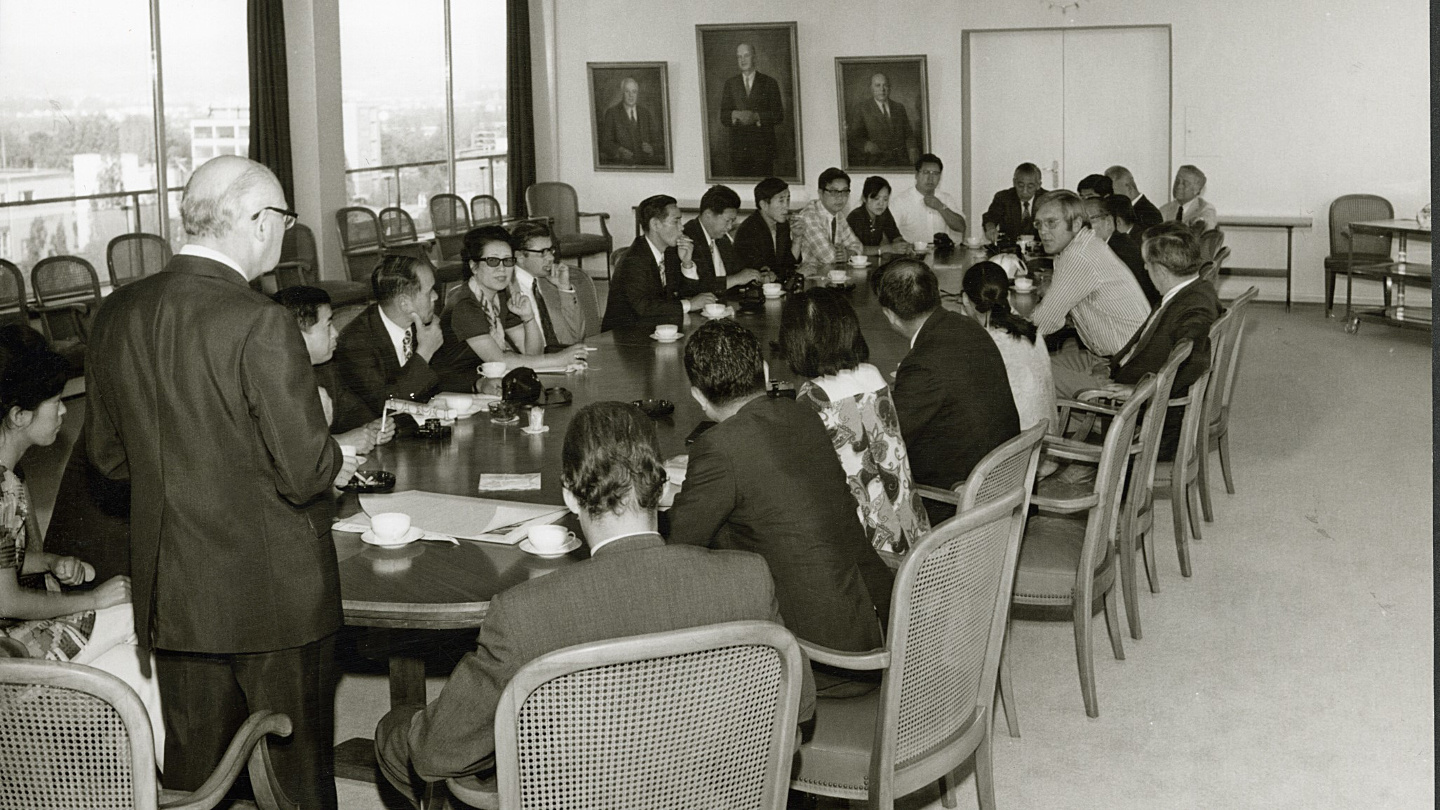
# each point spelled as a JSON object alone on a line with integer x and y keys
{"x": 632, "y": 584}
{"x": 923, "y": 210}
{"x": 201, "y": 393}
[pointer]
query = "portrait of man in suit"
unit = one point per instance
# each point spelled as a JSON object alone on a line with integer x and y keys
{"x": 749, "y": 89}
{"x": 629, "y": 104}
{"x": 882, "y": 105}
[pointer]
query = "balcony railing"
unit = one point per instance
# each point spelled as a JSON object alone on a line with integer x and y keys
{"x": 387, "y": 185}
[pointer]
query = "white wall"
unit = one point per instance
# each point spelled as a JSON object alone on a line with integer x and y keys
{"x": 1289, "y": 103}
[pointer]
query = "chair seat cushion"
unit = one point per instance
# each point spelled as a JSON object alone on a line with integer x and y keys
{"x": 1049, "y": 556}
{"x": 581, "y": 244}
{"x": 836, "y": 760}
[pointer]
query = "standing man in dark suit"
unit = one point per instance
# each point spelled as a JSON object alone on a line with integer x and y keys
{"x": 1146, "y": 214}
{"x": 202, "y": 395}
{"x": 629, "y": 135}
{"x": 878, "y": 132}
{"x": 716, "y": 268}
{"x": 645, "y": 290}
{"x": 1012, "y": 211}
{"x": 766, "y": 479}
{"x": 751, "y": 108}
{"x": 632, "y": 584}
{"x": 951, "y": 391}
{"x": 385, "y": 352}
{"x": 763, "y": 240}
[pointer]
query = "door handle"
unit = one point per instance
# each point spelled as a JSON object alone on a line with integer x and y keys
{"x": 1054, "y": 174}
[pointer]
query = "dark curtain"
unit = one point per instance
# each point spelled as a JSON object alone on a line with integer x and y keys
{"x": 270, "y": 92}
{"x": 519, "y": 103}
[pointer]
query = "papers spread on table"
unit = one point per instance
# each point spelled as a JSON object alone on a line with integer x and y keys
{"x": 518, "y": 481}
{"x": 461, "y": 516}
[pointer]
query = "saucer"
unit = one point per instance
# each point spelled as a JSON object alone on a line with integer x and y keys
{"x": 406, "y": 539}
{"x": 542, "y": 429}
{"x": 570, "y": 545}
{"x": 654, "y": 336}
{"x": 770, "y": 297}
{"x": 728, "y": 313}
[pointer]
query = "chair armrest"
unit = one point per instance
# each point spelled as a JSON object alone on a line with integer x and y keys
{"x": 874, "y": 659}
{"x": 1061, "y": 447}
{"x": 938, "y": 494}
{"x": 603, "y": 218}
{"x": 474, "y": 791}
{"x": 1084, "y": 405}
{"x": 249, "y": 742}
{"x": 1068, "y": 506}
{"x": 10, "y": 648}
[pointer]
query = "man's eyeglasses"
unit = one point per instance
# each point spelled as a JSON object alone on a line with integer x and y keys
{"x": 550, "y": 251}
{"x": 495, "y": 261}
{"x": 838, "y": 191}
{"x": 290, "y": 216}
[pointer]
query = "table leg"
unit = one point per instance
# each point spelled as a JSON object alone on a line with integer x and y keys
{"x": 407, "y": 680}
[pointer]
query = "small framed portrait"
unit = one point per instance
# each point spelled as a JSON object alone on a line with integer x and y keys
{"x": 884, "y": 104}
{"x": 630, "y": 111}
{"x": 750, "y": 95}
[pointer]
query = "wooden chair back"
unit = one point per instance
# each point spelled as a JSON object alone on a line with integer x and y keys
{"x": 132, "y": 256}
{"x": 14, "y": 306}
{"x": 396, "y": 225}
{"x": 485, "y": 210}
{"x": 556, "y": 201}
{"x": 1350, "y": 208}
{"x": 449, "y": 214}
{"x": 65, "y": 279}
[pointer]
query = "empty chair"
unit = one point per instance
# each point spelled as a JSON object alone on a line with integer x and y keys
{"x": 14, "y": 308}
{"x": 449, "y": 214}
{"x": 941, "y": 657}
{"x": 68, "y": 291}
{"x": 1368, "y": 248}
{"x": 132, "y": 256}
{"x": 700, "y": 717}
{"x": 74, "y": 736}
{"x": 1215, "y": 428}
{"x": 485, "y": 210}
{"x": 360, "y": 241}
{"x": 558, "y": 202}
{"x": 300, "y": 264}
{"x": 397, "y": 226}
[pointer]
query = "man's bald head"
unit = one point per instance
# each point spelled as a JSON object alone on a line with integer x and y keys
{"x": 223, "y": 191}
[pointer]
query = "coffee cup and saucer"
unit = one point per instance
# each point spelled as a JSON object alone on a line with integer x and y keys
{"x": 666, "y": 333}
{"x": 391, "y": 530}
{"x": 859, "y": 260}
{"x": 549, "y": 541}
{"x": 772, "y": 289}
{"x": 1023, "y": 284}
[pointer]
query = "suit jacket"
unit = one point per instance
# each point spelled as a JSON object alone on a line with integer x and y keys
{"x": 617, "y": 132}
{"x": 1005, "y": 211}
{"x": 350, "y": 412}
{"x": 1146, "y": 214}
{"x": 754, "y": 247}
{"x": 200, "y": 392}
{"x": 637, "y": 295}
{"x": 752, "y": 148}
{"x": 366, "y": 364}
{"x": 1128, "y": 250}
{"x": 894, "y": 136}
{"x": 707, "y": 281}
{"x": 953, "y": 398}
{"x": 572, "y": 316}
{"x": 632, "y": 585}
{"x": 1204, "y": 211}
{"x": 767, "y": 480}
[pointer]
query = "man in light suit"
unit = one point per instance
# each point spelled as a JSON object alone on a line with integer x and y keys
{"x": 1012, "y": 210}
{"x": 716, "y": 267}
{"x": 564, "y": 296}
{"x": 201, "y": 393}
{"x": 645, "y": 290}
{"x": 751, "y": 108}
{"x": 386, "y": 351}
{"x": 629, "y": 135}
{"x": 879, "y": 132}
{"x": 632, "y": 584}
{"x": 1187, "y": 205}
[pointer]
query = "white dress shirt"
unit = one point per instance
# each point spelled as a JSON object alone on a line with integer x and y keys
{"x": 919, "y": 222}
{"x": 397, "y": 336}
{"x": 213, "y": 255}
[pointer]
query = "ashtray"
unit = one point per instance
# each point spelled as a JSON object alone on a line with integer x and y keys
{"x": 368, "y": 481}
{"x": 655, "y": 408}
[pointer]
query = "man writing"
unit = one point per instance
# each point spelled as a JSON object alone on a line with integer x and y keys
{"x": 1012, "y": 210}
{"x": 923, "y": 210}
{"x": 628, "y": 133}
{"x": 201, "y": 393}
{"x": 750, "y": 108}
{"x": 879, "y": 132}
{"x": 763, "y": 240}
{"x": 645, "y": 290}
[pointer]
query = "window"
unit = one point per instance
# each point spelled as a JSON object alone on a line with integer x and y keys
{"x": 205, "y": 133}
{"x": 225, "y": 132}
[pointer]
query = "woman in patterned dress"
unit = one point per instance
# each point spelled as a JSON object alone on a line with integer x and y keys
{"x": 820, "y": 339}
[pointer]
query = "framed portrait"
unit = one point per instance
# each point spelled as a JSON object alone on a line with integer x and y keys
{"x": 630, "y": 113}
{"x": 750, "y": 95}
{"x": 884, "y": 104}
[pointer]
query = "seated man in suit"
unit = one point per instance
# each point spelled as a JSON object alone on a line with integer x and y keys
{"x": 822, "y": 236}
{"x": 1188, "y": 206}
{"x": 1095, "y": 185}
{"x": 628, "y": 132}
{"x": 385, "y": 352}
{"x": 1012, "y": 211}
{"x": 1099, "y": 214}
{"x": 766, "y": 479}
{"x": 645, "y": 289}
{"x": 763, "y": 240}
{"x": 1188, "y": 308}
{"x": 1146, "y": 214}
{"x": 716, "y": 268}
{"x": 878, "y": 132}
{"x": 923, "y": 210}
{"x": 569, "y": 312}
{"x": 632, "y": 584}
{"x": 951, "y": 392}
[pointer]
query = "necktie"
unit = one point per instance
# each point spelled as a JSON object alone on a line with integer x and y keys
{"x": 543, "y": 313}
{"x": 715, "y": 260}
{"x": 832, "y": 230}
{"x": 1025, "y": 211}
{"x": 748, "y": 80}
{"x": 1180, "y": 213}
{"x": 885, "y": 108}
{"x": 407, "y": 343}
{"x": 632, "y": 115}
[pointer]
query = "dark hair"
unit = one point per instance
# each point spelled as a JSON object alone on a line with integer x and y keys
{"x": 831, "y": 174}
{"x": 395, "y": 275}
{"x": 303, "y": 302}
{"x": 874, "y": 184}
{"x": 1029, "y": 169}
{"x": 723, "y": 360}
{"x": 1119, "y": 207}
{"x": 527, "y": 230}
{"x": 766, "y": 189}
{"x": 820, "y": 335}
{"x": 929, "y": 158}
{"x": 652, "y": 208}
{"x": 718, "y": 199}
{"x": 1098, "y": 183}
{"x": 475, "y": 241}
{"x": 610, "y": 450}
{"x": 30, "y": 371}
{"x": 906, "y": 287}
{"x": 988, "y": 289}
{"x": 1176, "y": 247}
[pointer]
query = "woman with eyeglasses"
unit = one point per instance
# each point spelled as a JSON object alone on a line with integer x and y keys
{"x": 873, "y": 223}
{"x": 488, "y": 318}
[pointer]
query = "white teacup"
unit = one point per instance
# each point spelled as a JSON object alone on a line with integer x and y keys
{"x": 455, "y": 402}
{"x": 770, "y": 288}
{"x": 667, "y": 330}
{"x": 974, "y": 241}
{"x": 390, "y": 526}
{"x": 549, "y": 538}
{"x": 921, "y": 246}
{"x": 1024, "y": 284}
{"x": 838, "y": 276}
{"x": 714, "y": 310}
{"x": 858, "y": 260}
{"x": 493, "y": 370}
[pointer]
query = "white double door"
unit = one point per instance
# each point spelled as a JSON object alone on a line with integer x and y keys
{"x": 1073, "y": 102}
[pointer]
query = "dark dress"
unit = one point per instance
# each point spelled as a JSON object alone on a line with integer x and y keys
{"x": 464, "y": 318}
{"x": 873, "y": 231}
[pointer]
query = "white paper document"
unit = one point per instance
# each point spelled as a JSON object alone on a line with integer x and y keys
{"x": 460, "y": 516}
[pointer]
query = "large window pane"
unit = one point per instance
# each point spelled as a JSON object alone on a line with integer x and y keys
{"x": 481, "y": 134}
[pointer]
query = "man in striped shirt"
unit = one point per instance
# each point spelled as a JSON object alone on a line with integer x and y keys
{"x": 1091, "y": 285}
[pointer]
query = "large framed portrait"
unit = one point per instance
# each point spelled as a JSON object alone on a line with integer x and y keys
{"x": 750, "y": 95}
{"x": 884, "y": 104}
{"x": 630, "y": 111}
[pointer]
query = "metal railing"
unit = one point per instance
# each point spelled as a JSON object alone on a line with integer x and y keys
{"x": 392, "y": 174}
